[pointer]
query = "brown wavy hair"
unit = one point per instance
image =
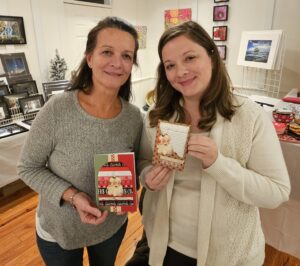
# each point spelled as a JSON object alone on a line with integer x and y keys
{"x": 82, "y": 77}
{"x": 218, "y": 95}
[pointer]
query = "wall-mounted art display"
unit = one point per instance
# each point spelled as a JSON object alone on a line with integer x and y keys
{"x": 11, "y": 129}
{"x": 259, "y": 48}
{"x": 142, "y": 36}
{"x": 55, "y": 87}
{"x": 220, "y": 33}
{"x": 28, "y": 86}
{"x": 220, "y": 13}
{"x": 220, "y": 1}
{"x": 222, "y": 51}
{"x": 12, "y": 100}
{"x": 177, "y": 16}
{"x": 4, "y": 113}
{"x": 12, "y": 30}
{"x": 31, "y": 104}
{"x": 4, "y": 90}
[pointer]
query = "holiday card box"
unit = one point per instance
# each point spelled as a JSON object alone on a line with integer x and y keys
{"x": 115, "y": 182}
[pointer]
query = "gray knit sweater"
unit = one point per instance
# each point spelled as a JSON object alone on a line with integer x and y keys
{"x": 65, "y": 137}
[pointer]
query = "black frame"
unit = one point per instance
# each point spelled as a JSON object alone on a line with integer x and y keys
{"x": 225, "y": 51}
{"x": 217, "y": 15}
{"x": 219, "y": 39}
{"x": 4, "y": 109}
{"x": 220, "y": 1}
{"x": 50, "y": 87}
{"x": 11, "y": 129}
{"x": 18, "y": 96}
{"x": 27, "y": 109}
{"x": 4, "y": 90}
{"x": 28, "y": 121}
{"x": 27, "y": 86}
{"x": 16, "y": 24}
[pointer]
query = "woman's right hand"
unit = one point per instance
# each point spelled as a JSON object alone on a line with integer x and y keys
{"x": 157, "y": 177}
{"x": 87, "y": 209}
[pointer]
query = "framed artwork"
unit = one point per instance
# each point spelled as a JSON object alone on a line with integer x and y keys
{"x": 12, "y": 30}
{"x": 4, "y": 90}
{"x": 14, "y": 64}
{"x": 177, "y": 16}
{"x": 220, "y": 13}
{"x": 220, "y": 33}
{"x": 28, "y": 122}
{"x": 220, "y": 1}
{"x": 55, "y": 87}
{"x": 222, "y": 51}
{"x": 4, "y": 113}
{"x": 31, "y": 104}
{"x": 259, "y": 48}
{"x": 11, "y": 129}
{"x": 12, "y": 100}
{"x": 171, "y": 145}
{"x": 28, "y": 86}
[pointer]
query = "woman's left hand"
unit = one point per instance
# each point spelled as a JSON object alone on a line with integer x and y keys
{"x": 203, "y": 148}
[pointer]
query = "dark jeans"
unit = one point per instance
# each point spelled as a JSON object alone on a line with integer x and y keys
{"x": 174, "y": 258}
{"x": 102, "y": 254}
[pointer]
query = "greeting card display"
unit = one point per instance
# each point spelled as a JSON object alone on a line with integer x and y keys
{"x": 116, "y": 182}
{"x": 171, "y": 145}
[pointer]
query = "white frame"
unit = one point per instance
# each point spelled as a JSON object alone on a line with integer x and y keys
{"x": 271, "y": 35}
{"x": 108, "y": 3}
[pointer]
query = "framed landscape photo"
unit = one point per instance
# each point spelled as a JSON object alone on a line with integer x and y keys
{"x": 14, "y": 64}
{"x": 55, "y": 87}
{"x": 31, "y": 104}
{"x": 28, "y": 86}
{"x": 259, "y": 48}
{"x": 222, "y": 51}
{"x": 220, "y": 13}
{"x": 4, "y": 113}
{"x": 12, "y": 100}
{"x": 220, "y": 33}
{"x": 12, "y": 30}
{"x": 10, "y": 130}
{"x": 4, "y": 90}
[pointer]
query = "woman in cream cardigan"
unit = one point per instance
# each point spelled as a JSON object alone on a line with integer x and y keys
{"x": 208, "y": 214}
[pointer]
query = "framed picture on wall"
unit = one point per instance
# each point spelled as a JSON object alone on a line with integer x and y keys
{"x": 4, "y": 113}
{"x": 55, "y": 87}
{"x": 220, "y": 33}
{"x": 259, "y": 48}
{"x": 12, "y": 30}
{"x": 12, "y": 100}
{"x": 220, "y": 13}
{"x": 11, "y": 129}
{"x": 28, "y": 86}
{"x": 222, "y": 51}
{"x": 31, "y": 104}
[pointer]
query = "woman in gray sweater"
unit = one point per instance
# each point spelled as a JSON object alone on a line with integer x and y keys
{"x": 94, "y": 116}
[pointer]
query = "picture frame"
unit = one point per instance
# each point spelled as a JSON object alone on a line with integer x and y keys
{"x": 220, "y": 13}
{"x": 4, "y": 90}
{"x": 4, "y": 112}
{"x": 27, "y": 86}
{"x": 31, "y": 104}
{"x": 12, "y": 30}
{"x": 12, "y": 100}
{"x": 220, "y": 1}
{"x": 11, "y": 129}
{"x": 222, "y": 49}
{"x": 55, "y": 87}
{"x": 259, "y": 48}
{"x": 219, "y": 33}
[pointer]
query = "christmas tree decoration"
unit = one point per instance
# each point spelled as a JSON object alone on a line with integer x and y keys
{"x": 58, "y": 67}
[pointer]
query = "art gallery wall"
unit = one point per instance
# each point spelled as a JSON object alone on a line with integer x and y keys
{"x": 51, "y": 25}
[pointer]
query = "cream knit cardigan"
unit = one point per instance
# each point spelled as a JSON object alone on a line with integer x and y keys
{"x": 249, "y": 172}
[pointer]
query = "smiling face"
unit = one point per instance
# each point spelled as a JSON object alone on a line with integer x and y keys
{"x": 188, "y": 67}
{"x": 112, "y": 59}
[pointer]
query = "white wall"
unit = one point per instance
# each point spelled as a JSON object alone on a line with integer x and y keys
{"x": 46, "y": 22}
